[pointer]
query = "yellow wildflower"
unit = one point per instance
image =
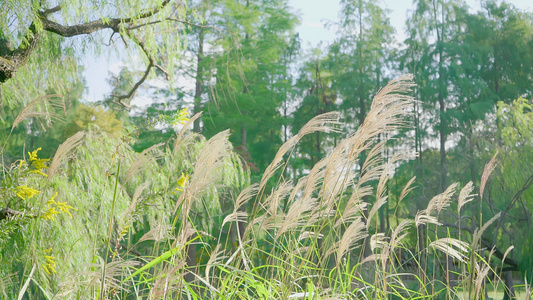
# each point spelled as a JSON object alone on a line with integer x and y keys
{"x": 33, "y": 155}
{"x": 181, "y": 117}
{"x": 124, "y": 231}
{"x": 52, "y": 207}
{"x": 24, "y": 192}
{"x": 50, "y": 265}
{"x": 182, "y": 181}
{"x": 37, "y": 163}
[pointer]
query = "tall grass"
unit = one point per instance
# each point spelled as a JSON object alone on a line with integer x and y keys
{"x": 181, "y": 220}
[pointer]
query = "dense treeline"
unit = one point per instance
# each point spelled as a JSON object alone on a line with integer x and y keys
{"x": 242, "y": 65}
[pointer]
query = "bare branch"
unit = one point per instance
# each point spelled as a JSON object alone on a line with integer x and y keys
{"x": 133, "y": 89}
{"x": 174, "y": 20}
{"x": 9, "y": 213}
{"x": 515, "y": 198}
{"x": 18, "y": 57}
{"x": 90, "y": 27}
{"x": 192, "y": 24}
{"x": 49, "y": 11}
{"x": 167, "y": 76}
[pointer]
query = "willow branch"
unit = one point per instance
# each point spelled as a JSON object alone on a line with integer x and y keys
{"x": 12, "y": 60}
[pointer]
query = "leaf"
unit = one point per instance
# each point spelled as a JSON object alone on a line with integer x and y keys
{"x": 154, "y": 262}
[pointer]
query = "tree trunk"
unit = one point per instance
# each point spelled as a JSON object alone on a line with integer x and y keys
{"x": 199, "y": 80}
{"x": 509, "y": 292}
{"x": 243, "y": 136}
{"x": 442, "y": 134}
{"x": 191, "y": 262}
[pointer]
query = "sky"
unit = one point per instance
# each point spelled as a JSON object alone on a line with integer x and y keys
{"x": 314, "y": 15}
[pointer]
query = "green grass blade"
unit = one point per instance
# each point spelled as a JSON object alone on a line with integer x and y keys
{"x": 154, "y": 262}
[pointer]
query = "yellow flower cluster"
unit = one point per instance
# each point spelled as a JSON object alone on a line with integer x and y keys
{"x": 24, "y": 192}
{"x": 181, "y": 117}
{"x": 37, "y": 163}
{"x": 50, "y": 265}
{"x": 55, "y": 208}
{"x": 182, "y": 181}
{"x": 124, "y": 231}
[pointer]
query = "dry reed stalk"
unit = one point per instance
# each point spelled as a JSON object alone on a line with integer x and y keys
{"x": 482, "y": 272}
{"x": 446, "y": 245}
{"x": 139, "y": 164}
{"x": 245, "y": 195}
{"x": 114, "y": 270}
{"x": 206, "y": 170}
{"x": 265, "y": 222}
{"x": 358, "y": 194}
{"x": 377, "y": 205}
{"x": 351, "y": 212}
{"x": 422, "y": 217}
{"x": 309, "y": 234}
{"x": 385, "y": 170}
{"x": 297, "y": 189}
{"x": 407, "y": 188}
{"x": 158, "y": 233}
{"x": 41, "y": 107}
{"x": 170, "y": 280}
{"x": 489, "y": 167}
{"x": 354, "y": 233}
{"x": 298, "y": 214}
{"x": 388, "y": 108}
{"x": 273, "y": 200}
{"x": 321, "y": 123}
{"x": 442, "y": 200}
{"x": 185, "y": 233}
{"x": 236, "y": 216}
{"x": 378, "y": 241}
{"x": 395, "y": 240}
{"x": 62, "y": 151}
{"x": 383, "y": 179}
{"x": 373, "y": 157}
{"x": 507, "y": 252}
{"x": 479, "y": 232}
{"x": 168, "y": 275}
{"x": 5, "y": 282}
{"x": 126, "y": 215}
{"x": 179, "y": 139}
{"x": 337, "y": 177}
{"x": 315, "y": 177}
{"x": 465, "y": 196}
{"x": 371, "y": 174}
{"x": 214, "y": 258}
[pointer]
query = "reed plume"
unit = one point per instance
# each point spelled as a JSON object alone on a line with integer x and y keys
{"x": 42, "y": 107}
{"x": 64, "y": 149}
{"x": 150, "y": 154}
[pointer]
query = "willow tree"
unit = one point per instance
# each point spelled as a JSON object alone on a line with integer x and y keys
{"x": 42, "y": 42}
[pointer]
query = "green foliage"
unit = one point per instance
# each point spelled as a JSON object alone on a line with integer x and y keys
{"x": 143, "y": 208}
{"x": 252, "y": 76}
{"x": 97, "y": 116}
{"x": 510, "y": 190}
